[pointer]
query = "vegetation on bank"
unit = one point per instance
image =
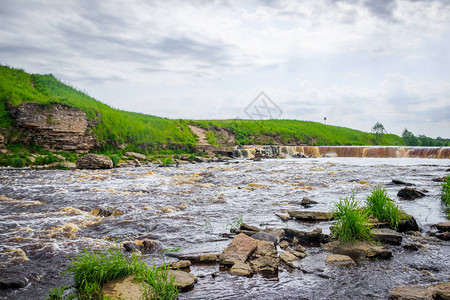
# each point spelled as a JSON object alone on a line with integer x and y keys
{"x": 445, "y": 192}
{"x": 91, "y": 270}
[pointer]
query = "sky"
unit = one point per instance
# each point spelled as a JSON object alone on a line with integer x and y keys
{"x": 353, "y": 62}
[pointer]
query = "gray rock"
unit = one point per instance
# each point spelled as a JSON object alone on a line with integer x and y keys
{"x": 264, "y": 236}
{"x": 12, "y": 282}
{"x": 315, "y": 237}
{"x": 385, "y": 235}
{"x": 410, "y": 193}
{"x": 310, "y": 215}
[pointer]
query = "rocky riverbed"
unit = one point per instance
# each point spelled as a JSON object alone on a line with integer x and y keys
{"x": 47, "y": 216}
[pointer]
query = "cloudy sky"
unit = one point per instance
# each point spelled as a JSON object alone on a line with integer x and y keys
{"x": 355, "y": 62}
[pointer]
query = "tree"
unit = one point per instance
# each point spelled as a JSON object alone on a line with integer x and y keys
{"x": 379, "y": 130}
{"x": 409, "y": 138}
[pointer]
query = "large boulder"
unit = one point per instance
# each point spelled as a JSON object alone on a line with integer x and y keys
{"x": 444, "y": 226}
{"x": 239, "y": 249}
{"x": 410, "y": 193}
{"x": 94, "y": 161}
{"x": 408, "y": 223}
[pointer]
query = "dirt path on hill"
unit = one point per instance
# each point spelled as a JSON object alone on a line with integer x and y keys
{"x": 201, "y": 133}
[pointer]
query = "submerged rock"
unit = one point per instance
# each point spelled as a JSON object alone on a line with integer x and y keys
{"x": 306, "y": 202}
{"x": 410, "y": 193}
{"x": 398, "y": 181}
{"x": 12, "y": 282}
{"x": 94, "y": 161}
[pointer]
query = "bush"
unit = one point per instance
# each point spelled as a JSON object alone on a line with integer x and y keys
{"x": 383, "y": 208}
{"x": 17, "y": 162}
{"x": 91, "y": 269}
{"x": 45, "y": 160}
{"x": 167, "y": 161}
{"x": 351, "y": 219}
{"x": 115, "y": 159}
{"x": 445, "y": 192}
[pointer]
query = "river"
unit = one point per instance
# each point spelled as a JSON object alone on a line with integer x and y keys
{"x": 45, "y": 219}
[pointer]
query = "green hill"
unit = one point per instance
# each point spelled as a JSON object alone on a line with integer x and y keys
{"x": 143, "y": 132}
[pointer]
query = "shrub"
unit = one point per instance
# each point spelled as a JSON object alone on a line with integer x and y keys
{"x": 17, "y": 162}
{"x": 167, "y": 161}
{"x": 91, "y": 269}
{"x": 445, "y": 192}
{"x": 383, "y": 208}
{"x": 351, "y": 219}
{"x": 115, "y": 159}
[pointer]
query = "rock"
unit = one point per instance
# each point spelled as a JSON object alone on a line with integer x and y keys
{"x": 67, "y": 165}
{"x": 129, "y": 246}
{"x": 378, "y": 253}
{"x": 410, "y": 193}
{"x": 136, "y": 155}
{"x": 247, "y": 227}
{"x": 398, "y": 181}
{"x": 208, "y": 258}
{"x": 151, "y": 246}
{"x": 182, "y": 264}
{"x": 55, "y": 126}
{"x": 183, "y": 280}
{"x": 314, "y": 237}
{"x": 307, "y": 202}
{"x": 408, "y": 223}
{"x": 299, "y": 248}
{"x": 354, "y": 250}
{"x": 278, "y": 233}
{"x": 340, "y": 260}
{"x": 283, "y": 217}
{"x": 288, "y": 257}
{"x": 284, "y": 244}
{"x": 106, "y": 212}
{"x": 94, "y": 161}
{"x": 444, "y": 226}
{"x": 310, "y": 215}
{"x": 405, "y": 292}
{"x": 411, "y": 246}
{"x": 385, "y": 235}
{"x": 123, "y": 288}
{"x": 264, "y": 236}
{"x": 445, "y": 236}
{"x": 265, "y": 257}
{"x": 12, "y": 282}
{"x": 441, "y": 291}
{"x": 299, "y": 254}
{"x": 439, "y": 179}
{"x": 241, "y": 268}
{"x": 239, "y": 249}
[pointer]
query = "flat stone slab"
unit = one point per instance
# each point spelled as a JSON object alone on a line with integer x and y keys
{"x": 241, "y": 268}
{"x": 240, "y": 248}
{"x": 183, "y": 280}
{"x": 406, "y": 292}
{"x": 355, "y": 250}
{"x": 310, "y": 215}
{"x": 378, "y": 252}
{"x": 444, "y": 226}
{"x": 340, "y": 260}
{"x": 182, "y": 264}
{"x": 123, "y": 288}
{"x": 385, "y": 235}
{"x": 208, "y": 258}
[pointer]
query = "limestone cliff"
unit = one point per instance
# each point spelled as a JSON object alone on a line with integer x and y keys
{"x": 54, "y": 126}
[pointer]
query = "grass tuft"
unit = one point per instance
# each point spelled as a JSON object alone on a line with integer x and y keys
{"x": 445, "y": 192}
{"x": 351, "y": 219}
{"x": 383, "y": 208}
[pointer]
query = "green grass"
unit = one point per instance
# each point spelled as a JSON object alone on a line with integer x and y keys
{"x": 293, "y": 132}
{"x": 383, "y": 208}
{"x": 351, "y": 225}
{"x": 91, "y": 270}
{"x": 445, "y": 192}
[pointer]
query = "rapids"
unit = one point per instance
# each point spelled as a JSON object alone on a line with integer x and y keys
{"x": 45, "y": 219}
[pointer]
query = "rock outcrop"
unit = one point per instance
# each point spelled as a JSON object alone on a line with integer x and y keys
{"x": 54, "y": 126}
{"x": 94, "y": 161}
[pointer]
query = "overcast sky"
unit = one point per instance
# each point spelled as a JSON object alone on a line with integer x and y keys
{"x": 355, "y": 62}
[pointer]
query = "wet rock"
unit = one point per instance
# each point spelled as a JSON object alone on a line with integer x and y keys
{"x": 444, "y": 226}
{"x": 354, "y": 250}
{"x": 129, "y": 246}
{"x": 12, "y": 282}
{"x": 385, "y": 235}
{"x": 284, "y": 244}
{"x": 151, "y": 246}
{"x": 94, "y": 161}
{"x": 278, "y": 233}
{"x": 288, "y": 257}
{"x": 124, "y": 288}
{"x": 405, "y": 292}
{"x": 340, "y": 260}
{"x": 441, "y": 290}
{"x": 106, "y": 212}
{"x": 136, "y": 155}
{"x": 264, "y": 236}
{"x": 398, "y": 181}
{"x": 208, "y": 258}
{"x": 239, "y": 249}
{"x": 378, "y": 252}
{"x": 445, "y": 236}
{"x": 182, "y": 264}
{"x": 283, "y": 217}
{"x": 298, "y": 247}
{"x": 410, "y": 193}
{"x": 411, "y": 247}
{"x": 247, "y": 227}
{"x": 183, "y": 280}
{"x": 67, "y": 165}
{"x": 439, "y": 179}
{"x": 314, "y": 237}
{"x": 408, "y": 223}
{"x": 241, "y": 268}
{"x": 307, "y": 202}
{"x": 310, "y": 215}
{"x": 265, "y": 257}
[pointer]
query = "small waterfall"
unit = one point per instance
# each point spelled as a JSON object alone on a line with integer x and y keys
{"x": 274, "y": 151}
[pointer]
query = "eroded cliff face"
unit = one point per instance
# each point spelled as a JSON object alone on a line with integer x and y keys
{"x": 55, "y": 126}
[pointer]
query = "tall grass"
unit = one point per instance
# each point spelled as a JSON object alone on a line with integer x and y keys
{"x": 383, "y": 208}
{"x": 92, "y": 269}
{"x": 351, "y": 219}
{"x": 445, "y": 192}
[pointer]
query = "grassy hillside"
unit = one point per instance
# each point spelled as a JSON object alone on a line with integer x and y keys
{"x": 292, "y": 132}
{"x": 116, "y": 127}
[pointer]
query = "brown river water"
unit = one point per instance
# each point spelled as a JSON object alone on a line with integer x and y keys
{"x": 45, "y": 219}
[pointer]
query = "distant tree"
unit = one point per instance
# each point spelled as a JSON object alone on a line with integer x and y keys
{"x": 409, "y": 138}
{"x": 379, "y": 130}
